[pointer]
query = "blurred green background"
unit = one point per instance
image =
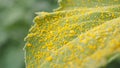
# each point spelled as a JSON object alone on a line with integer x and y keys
{"x": 16, "y": 18}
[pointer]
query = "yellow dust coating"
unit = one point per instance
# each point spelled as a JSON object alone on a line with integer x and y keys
{"x": 52, "y": 33}
{"x": 111, "y": 46}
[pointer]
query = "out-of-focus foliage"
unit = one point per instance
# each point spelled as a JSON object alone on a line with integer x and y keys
{"x": 80, "y": 34}
{"x": 15, "y": 19}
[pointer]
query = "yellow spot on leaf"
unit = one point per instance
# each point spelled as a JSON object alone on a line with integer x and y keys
{"x": 49, "y": 58}
{"x": 29, "y": 45}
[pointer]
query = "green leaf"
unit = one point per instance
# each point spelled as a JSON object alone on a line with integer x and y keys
{"x": 75, "y": 4}
{"x": 75, "y": 38}
{"x": 90, "y": 49}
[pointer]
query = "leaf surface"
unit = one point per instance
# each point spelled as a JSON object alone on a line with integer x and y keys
{"x": 75, "y": 38}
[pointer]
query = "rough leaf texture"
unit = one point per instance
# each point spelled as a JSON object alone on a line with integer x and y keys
{"x": 79, "y": 34}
